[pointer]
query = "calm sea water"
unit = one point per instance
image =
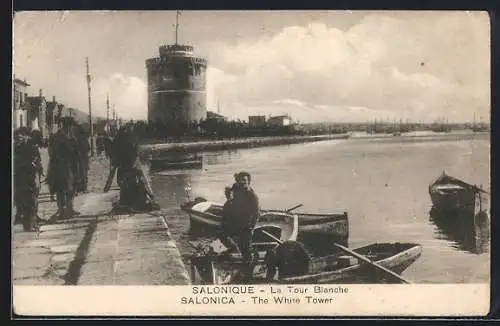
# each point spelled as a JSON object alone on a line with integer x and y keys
{"x": 381, "y": 183}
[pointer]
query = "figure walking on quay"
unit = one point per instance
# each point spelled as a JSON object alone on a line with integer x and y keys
{"x": 135, "y": 191}
{"x": 65, "y": 168}
{"x": 28, "y": 172}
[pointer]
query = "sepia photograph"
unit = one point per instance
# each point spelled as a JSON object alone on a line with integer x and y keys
{"x": 245, "y": 161}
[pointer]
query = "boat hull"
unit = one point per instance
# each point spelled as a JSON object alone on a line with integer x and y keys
{"x": 159, "y": 165}
{"x": 453, "y": 196}
{"x": 403, "y": 256}
{"x": 314, "y": 229}
{"x": 460, "y": 202}
{"x": 223, "y": 267}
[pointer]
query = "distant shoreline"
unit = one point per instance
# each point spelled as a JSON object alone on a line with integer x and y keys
{"x": 254, "y": 142}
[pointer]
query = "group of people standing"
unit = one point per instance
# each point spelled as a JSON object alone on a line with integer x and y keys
{"x": 68, "y": 168}
{"x": 67, "y": 171}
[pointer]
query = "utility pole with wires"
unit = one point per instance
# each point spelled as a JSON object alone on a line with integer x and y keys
{"x": 177, "y": 15}
{"x": 91, "y": 127}
{"x": 107, "y": 108}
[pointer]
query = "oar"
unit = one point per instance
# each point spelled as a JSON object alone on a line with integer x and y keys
{"x": 271, "y": 236}
{"x": 286, "y": 210}
{"x": 368, "y": 261}
{"x": 294, "y": 208}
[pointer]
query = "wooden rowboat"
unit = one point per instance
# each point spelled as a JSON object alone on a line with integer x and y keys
{"x": 214, "y": 264}
{"x": 314, "y": 229}
{"x": 337, "y": 268}
{"x": 176, "y": 163}
{"x": 451, "y": 195}
{"x": 343, "y": 268}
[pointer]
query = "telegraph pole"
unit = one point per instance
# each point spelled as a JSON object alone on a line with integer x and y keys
{"x": 107, "y": 107}
{"x": 177, "y": 25}
{"x": 90, "y": 109}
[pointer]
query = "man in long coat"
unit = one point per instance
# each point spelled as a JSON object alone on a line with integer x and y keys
{"x": 28, "y": 171}
{"x": 64, "y": 168}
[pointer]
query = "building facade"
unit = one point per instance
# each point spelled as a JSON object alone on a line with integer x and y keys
{"x": 37, "y": 113}
{"x": 279, "y": 121}
{"x": 52, "y": 115}
{"x": 19, "y": 105}
{"x": 257, "y": 120}
{"x": 176, "y": 86}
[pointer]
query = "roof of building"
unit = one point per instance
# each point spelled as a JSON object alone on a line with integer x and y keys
{"x": 214, "y": 115}
{"x": 52, "y": 105}
{"x": 21, "y": 82}
{"x": 35, "y": 100}
{"x": 280, "y": 117}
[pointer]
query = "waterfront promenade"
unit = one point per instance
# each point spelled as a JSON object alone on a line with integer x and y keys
{"x": 96, "y": 247}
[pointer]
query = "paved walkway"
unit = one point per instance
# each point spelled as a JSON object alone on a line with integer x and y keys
{"x": 44, "y": 258}
{"x": 96, "y": 248}
{"x": 133, "y": 250}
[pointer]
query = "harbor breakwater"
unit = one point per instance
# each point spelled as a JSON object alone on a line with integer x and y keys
{"x": 253, "y": 142}
{"x": 228, "y": 144}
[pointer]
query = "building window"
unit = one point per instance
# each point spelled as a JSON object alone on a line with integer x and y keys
{"x": 21, "y": 120}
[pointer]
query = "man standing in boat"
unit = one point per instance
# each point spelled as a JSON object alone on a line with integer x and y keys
{"x": 244, "y": 212}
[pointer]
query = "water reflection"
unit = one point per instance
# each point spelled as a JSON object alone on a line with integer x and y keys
{"x": 370, "y": 180}
{"x": 170, "y": 189}
{"x": 466, "y": 232}
{"x": 221, "y": 157}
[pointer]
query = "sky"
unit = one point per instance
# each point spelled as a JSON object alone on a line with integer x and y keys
{"x": 316, "y": 66}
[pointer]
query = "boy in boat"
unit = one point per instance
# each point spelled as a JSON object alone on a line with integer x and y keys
{"x": 227, "y": 216}
{"x": 242, "y": 214}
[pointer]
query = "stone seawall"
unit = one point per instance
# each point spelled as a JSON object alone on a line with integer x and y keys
{"x": 217, "y": 145}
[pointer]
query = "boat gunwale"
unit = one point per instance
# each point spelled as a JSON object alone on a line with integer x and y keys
{"x": 415, "y": 249}
{"x": 450, "y": 179}
{"x": 307, "y": 218}
{"x": 291, "y": 235}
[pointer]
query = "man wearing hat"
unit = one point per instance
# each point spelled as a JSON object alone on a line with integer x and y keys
{"x": 243, "y": 214}
{"x": 28, "y": 171}
{"x": 64, "y": 168}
